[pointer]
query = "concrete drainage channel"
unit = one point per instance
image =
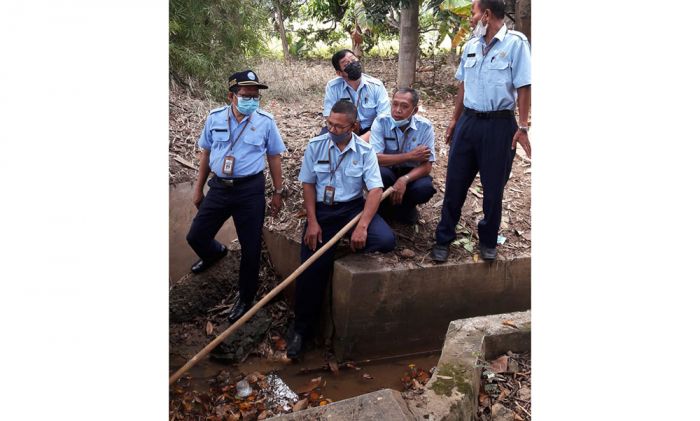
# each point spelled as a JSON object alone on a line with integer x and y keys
{"x": 378, "y": 310}
{"x": 452, "y": 391}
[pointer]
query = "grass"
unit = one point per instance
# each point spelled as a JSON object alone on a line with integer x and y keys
{"x": 288, "y": 81}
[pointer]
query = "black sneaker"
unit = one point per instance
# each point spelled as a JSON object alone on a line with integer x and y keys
{"x": 488, "y": 253}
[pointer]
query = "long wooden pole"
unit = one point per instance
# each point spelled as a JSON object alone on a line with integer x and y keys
{"x": 270, "y": 295}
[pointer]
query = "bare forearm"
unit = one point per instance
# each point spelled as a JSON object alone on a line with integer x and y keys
{"x": 371, "y": 205}
{"x": 387, "y": 159}
{"x": 459, "y": 102}
{"x": 203, "y": 169}
{"x": 310, "y": 202}
{"x": 420, "y": 171}
{"x": 523, "y": 105}
{"x": 275, "y": 164}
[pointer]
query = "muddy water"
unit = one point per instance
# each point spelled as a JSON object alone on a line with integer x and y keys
{"x": 182, "y": 211}
{"x": 348, "y": 383}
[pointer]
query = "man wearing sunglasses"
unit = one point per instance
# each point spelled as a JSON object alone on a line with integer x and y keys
{"x": 234, "y": 143}
{"x": 335, "y": 167}
{"x": 367, "y": 93}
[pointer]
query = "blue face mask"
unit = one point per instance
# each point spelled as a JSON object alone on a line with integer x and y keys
{"x": 247, "y": 106}
{"x": 338, "y": 138}
{"x": 399, "y": 123}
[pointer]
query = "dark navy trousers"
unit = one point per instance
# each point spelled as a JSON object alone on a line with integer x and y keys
{"x": 478, "y": 145}
{"x": 418, "y": 191}
{"x": 245, "y": 203}
{"x": 311, "y": 284}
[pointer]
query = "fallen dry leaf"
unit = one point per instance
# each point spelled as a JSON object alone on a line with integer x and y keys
{"x": 300, "y": 405}
{"x": 510, "y": 323}
{"x": 500, "y": 364}
{"x": 366, "y": 376}
{"x": 408, "y": 253}
{"x": 280, "y": 344}
{"x": 210, "y": 328}
{"x": 333, "y": 365}
{"x": 314, "y": 383}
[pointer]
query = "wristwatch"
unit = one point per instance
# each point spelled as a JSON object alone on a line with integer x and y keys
{"x": 279, "y": 191}
{"x": 523, "y": 129}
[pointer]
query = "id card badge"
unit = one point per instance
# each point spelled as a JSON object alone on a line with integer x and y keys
{"x": 227, "y": 168}
{"x": 329, "y": 195}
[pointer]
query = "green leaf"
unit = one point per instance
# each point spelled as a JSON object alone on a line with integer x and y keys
{"x": 458, "y": 7}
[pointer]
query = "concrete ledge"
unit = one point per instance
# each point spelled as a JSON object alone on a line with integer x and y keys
{"x": 379, "y": 310}
{"x": 453, "y": 390}
{"x": 385, "y": 404}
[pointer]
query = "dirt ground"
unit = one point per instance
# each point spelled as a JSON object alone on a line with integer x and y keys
{"x": 301, "y": 118}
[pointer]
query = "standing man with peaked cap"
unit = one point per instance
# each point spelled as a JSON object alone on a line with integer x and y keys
{"x": 234, "y": 141}
{"x": 483, "y": 133}
{"x": 367, "y": 93}
{"x": 335, "y": 167}
{"x": 405, "y": 147}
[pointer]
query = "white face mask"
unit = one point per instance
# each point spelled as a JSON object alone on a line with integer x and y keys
{"x": 480, "y": 30}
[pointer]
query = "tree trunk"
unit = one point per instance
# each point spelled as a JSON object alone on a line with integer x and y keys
{"x": 280, "y": 27}
{"x": 408, "y": 45}
{"x": 522, "y": 17}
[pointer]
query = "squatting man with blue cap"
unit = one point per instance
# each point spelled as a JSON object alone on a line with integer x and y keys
{"x": 234, "y": 141}
{"x": 494, "y": 75}
{"x": 367, "y": 93}
{"x": 405, "y": 147}
{"x": 334, "y": 169}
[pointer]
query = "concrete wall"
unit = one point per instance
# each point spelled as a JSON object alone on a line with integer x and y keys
{"x": 379, "y": 310}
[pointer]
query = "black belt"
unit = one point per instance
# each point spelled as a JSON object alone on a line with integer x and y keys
{"x": 235, "y": 181}
{"x": 490, "y": 114}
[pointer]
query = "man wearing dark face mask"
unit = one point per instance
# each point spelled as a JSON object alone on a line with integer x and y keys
{"x": 234, "y": 142}
{"x": 405, "y": 147}
{"x": 336, "y": 165}
{"x": 367, "y": 93}
{"x": 494, "y": 76}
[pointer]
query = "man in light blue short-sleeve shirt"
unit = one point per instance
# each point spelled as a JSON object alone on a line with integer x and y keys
{"x": 367, "y": 93}
{"x": 494, "y": 76}
{"x": 336, "y": 167}
{"x": 405, "y": 147}
{"x": 235, "y": 141}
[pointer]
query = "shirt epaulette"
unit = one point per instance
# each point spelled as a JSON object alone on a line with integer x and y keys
{"x": 265, "y": 113}
{"x": 335, "y": 81}
{"x": 373, "y": 80}
{"x": 423, "y": 120}
{"x": 217, "y": 110}
{"x": 518, "y": 34}
{"x": 319, "y": 137}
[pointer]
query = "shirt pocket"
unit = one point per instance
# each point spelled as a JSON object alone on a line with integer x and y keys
{"x": 219, "y": 134}
{"x": 323, "y": 174}
{"x": 352, "y": 179}
{"x": 498, "y": 71}
{"x": 391, "y": 144}
{"x": 369, "y": 108}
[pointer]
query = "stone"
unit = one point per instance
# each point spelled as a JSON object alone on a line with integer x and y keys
{"x": 243, "y": 341}
{"x": 384, "y": 404}
{"x": 524, "y": 393}
{"x": 501, "y": 413}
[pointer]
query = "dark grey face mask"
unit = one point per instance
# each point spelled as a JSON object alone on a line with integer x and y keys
{"x": 354, "y": 70}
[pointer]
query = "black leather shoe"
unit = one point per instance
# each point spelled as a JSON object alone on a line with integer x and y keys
{"x": 440, "y": 253}
{"x": 487, "y": 253}
{"x": 238, "y": 311}
{"x": 200, "y": 265}
{"x": 294, "y": 346}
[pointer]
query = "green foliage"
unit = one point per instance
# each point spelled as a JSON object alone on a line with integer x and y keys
{"x": 211, "y": 39}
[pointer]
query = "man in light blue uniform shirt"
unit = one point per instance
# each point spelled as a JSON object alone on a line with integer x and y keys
{"x": 235, "y": 140}
{"x": 367, "y": 93}
{"x": 483, "y": 133}
{"x": 335, "y": 168}
{"x": 405, "y": 147}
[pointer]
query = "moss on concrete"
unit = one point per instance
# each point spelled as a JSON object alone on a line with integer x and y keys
{"x": 449, "y": 377}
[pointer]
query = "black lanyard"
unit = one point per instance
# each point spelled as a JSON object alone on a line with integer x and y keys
{"x": 330, "y": 163}
{"x": 406, "y": 138}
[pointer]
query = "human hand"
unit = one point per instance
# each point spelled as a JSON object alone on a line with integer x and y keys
{"x": 275, "y": 204}
{"x": 449, "y": 132}
{"x": 358, "y": 239}
{"x": 399, "y": 190}
{"x": 313, "y": 235}
{"x": 421, "y": 153}
{"x": 524, "y": 140}
{"x": 197, "y": 197}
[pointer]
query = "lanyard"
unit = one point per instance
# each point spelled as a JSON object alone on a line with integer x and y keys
{"x": 228, "y": 121}
{"x": 330, "y": 163}
{"x": 357, "y": 103}
{"x": 406, "y": 138}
